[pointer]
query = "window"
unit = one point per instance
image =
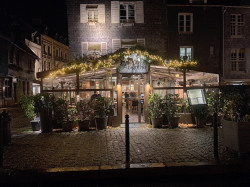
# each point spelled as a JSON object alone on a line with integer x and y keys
{"x": 197, "y": 1}
{"x": 49, "y": 51}
{"x": 128, "y": 43}
{"x": 127, "y": 12}
{"x": 94, "y": 49}
{"x": 44, "y": 49}
{"x": 185, "y": 22}
{"x": 92, "y": 12}
{"x": 237, "y": 24}
{"x": 211, "y": 50}
{"x": 186, "y": 51}
{"x": 7, "y": 88}
{"x": 238, "y": 60}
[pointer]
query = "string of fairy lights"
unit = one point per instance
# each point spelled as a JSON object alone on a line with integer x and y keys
{"x": 84, "y": 66}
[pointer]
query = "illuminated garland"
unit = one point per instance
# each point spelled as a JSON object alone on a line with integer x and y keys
{"x": 116, "y": 58}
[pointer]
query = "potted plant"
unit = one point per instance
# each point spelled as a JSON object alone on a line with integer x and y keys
{"x": 235, "y": 123}
{"x": 101, "y": 106}
{"x": 85, "y": 114}
{"x": 155, "y": 110}
{"x": 60, "y": 105}
{"x": 172, "y": 105}
{"x": 27, "y": 104}
{"x": 201, "y": 113}
{"x": 43, "y": 103}
{"x": 70, "y": 118}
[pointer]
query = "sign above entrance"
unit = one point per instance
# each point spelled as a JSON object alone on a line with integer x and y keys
{"x": 134, "y": 64}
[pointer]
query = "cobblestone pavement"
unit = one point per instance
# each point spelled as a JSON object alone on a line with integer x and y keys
{"x": 107, "y": 147}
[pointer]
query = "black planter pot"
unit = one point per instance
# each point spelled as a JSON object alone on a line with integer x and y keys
{"x": 45, "y": 119}
{"x": 157, "y": 122}
{"x": 36, "y": 126}
{"x": 83, "y": 125}
{"x": 173, "y": 122}
{"x": 101, "y": 123}
{"x": 67, "y": 126}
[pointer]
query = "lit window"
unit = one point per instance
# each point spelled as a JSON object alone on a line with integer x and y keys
{"x": 128, "y": 43}
{"x": 185, "y": 22}
{"x": 237, "y": 24}
{"x": 92, "y": 11}
{"x": 94, "y": 49}
{"x": 211, "y": 50}
{"x": 238, "y": 62}
{"x": 186, "y": 51}
{"x": 127, "y": 12}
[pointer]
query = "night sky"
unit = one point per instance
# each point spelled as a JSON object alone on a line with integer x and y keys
{"x": 39, "y": 14}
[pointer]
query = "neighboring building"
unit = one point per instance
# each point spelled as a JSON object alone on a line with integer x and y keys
{"x": 236, "y": 45}
{"x": 53, "y": 53}
{"x": 16, "y": 64}
{"x": 35, "y": 46}
{"x": 194, "y": 30}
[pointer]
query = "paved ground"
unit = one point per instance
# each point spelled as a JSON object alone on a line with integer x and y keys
{"x": 30, "y": 150}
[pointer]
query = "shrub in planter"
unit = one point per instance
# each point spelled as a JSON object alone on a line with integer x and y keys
{"x": 201, "y": 113}
{"x": 27, "y": 104}
{"x": 70, "y": 118}
{"x": 172, "y": 105}
{"x": 60, "y": 105}
{"x": 85, "y": 114}
{"x": 43, "y": 103}
{"x": 155, "y": 110}
{"x": 101, "y": 106}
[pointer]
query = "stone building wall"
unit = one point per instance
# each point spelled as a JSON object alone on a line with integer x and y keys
{"x": 153, "y": 29}
{"x": 236, "y": 43}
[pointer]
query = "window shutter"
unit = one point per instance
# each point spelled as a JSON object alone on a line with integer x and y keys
{"x": 116, "y": 44}
{"x": 139, "y": 12}
{"x": 83, "y": 14}
{"x": 115, "y": 12}
{"x": 101, "y": 13}
{"x": 104, "y": 48}
{"x": 84, "y": 48}
{"x": 141, "y": 41}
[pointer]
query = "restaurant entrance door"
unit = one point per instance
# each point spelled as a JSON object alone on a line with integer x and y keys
{"x": 133, "y": 98}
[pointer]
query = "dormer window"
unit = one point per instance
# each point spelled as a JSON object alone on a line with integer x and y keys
{"x": 92, "y": 11}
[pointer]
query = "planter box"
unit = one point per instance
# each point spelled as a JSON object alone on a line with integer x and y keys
{"x": 236, "y": 135}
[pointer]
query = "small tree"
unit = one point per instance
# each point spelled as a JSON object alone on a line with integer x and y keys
{"x": 155, "y": 106}
{"x": 27, "y": 104}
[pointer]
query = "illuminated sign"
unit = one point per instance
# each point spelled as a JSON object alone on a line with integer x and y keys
{"x": 196, "y": 97}
{"x": 133, "y": 64}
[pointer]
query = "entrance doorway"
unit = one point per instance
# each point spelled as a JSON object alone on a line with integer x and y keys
{"x": 133, "y": 88}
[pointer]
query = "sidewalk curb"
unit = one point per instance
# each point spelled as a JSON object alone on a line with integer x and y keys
{"x": 144, "y": 171}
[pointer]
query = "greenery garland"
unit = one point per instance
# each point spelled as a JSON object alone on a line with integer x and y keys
{"x": 84, "y": 65}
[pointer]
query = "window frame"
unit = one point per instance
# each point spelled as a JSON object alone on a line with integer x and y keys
{"x": 92, "y": 9}
{"x": 236, "y": 61}
{"x": 185, "y": 14}
{"x": 186, "y": 47}
{"x": 236, "y": 27}
{"x": 127, "y": 20}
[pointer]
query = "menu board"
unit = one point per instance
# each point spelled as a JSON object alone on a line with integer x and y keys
{"x": 196, "y": 97}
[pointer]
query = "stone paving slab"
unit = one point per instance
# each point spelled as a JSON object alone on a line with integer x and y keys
{"x": 107, "y": 147}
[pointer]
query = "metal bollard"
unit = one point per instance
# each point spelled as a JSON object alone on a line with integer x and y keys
{"x": 216, "y": 155}
{"x": 127, "y": 139}
{"x": 1, "y": 141}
